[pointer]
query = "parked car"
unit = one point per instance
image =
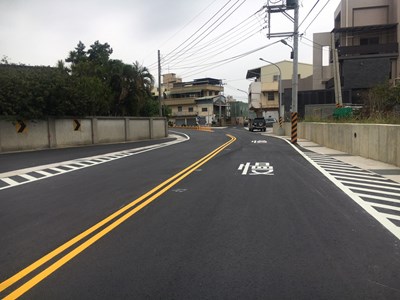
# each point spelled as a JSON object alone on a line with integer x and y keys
{"x": 258, "y": 123}
{"x": 270, "y": 122}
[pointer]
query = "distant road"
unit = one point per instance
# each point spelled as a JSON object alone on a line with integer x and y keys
{"x": 228, "y": 214}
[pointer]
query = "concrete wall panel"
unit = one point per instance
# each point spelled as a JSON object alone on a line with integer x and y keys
{"x": 139, "y": 129}
{"x": 159, "y": 127}
{"x": 393, "y": 136}
{"x": 111, "y": 130}
{"x": 373, "y": 142}
{"x": 378, "y": 142}
{"x": 54, "y": 133}
{"x": 35, "y": 136}
{"x": 363, "y": 136}
{"x": 67, "y": 135}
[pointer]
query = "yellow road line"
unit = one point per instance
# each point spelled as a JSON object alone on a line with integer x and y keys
{"x": 157, "y": 191}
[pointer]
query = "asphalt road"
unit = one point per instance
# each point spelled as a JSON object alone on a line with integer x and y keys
{"x": 251, "y": 220}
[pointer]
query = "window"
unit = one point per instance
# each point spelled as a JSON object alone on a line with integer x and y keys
{"x": 325, "y": 55}
{"x": 369, "y": 41}
{"x": 275, "y": 78}
{"x": 271, "y": 96}
{"x": 179, "y": 108}
{"x": 190, "y": 109}
{"x": 204, "y": 109}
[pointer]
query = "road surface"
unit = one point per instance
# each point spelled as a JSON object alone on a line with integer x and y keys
{"x": 228, "y": 214}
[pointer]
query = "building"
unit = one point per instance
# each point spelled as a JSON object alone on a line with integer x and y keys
{"x": 196, "y": 102}
{"x": 264, "y": 96}
{"x": 237, "y": 111}
{"x": 366, "y": 36}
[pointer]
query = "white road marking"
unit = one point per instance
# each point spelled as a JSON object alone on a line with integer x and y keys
{"x": 82, "y": 162}
{"x": 386, "y": 206}
{"x": 367, "y": 206}
{"x": 29, "y": 177}
{"x": 10, "y": 181}
{"x": 373, "y": 197}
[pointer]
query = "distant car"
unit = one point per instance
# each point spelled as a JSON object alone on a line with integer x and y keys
{"x": 270, "y": 122}
{"x": 258, "y": 123}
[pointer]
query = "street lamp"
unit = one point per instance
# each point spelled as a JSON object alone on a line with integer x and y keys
{"x": 243, "y": 91}
{"x": 286, "y": 43}
{"x": 280, "y": 91}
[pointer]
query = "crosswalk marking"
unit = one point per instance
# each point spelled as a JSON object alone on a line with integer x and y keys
{"x": 379, "y": 196}
{"x": 10, "y": 181}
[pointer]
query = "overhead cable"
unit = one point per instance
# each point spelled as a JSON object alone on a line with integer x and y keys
{"x": 186, "y": 49}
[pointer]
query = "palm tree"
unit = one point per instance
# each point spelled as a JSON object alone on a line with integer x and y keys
{"x": 143, "y": 84}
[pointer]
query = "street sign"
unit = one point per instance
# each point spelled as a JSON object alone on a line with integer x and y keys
{"x": 77, "y": 125}
{"x": 20, "y": 126}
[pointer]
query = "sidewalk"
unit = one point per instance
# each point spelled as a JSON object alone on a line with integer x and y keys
{"x": 386, "y": 170}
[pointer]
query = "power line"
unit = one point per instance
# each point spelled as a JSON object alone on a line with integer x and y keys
{"x": 213, "y": 29}
{"x": 305, "y": 18}
{"x": 227, "y": 60}
{"x": 314, "y": 43}
{"x": 233, "y": 34}
{"x": 220, "y": 50}
{"x": 186, "y": 25}
{"x": 209, "y": 20}
{"x": 317, "y": 15}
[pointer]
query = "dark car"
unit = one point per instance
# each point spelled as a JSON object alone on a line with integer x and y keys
{"x": 270, "y": 122}
{"x": 258, "y": 123}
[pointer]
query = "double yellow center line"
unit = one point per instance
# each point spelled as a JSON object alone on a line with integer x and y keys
{"x": 109, "y": 223}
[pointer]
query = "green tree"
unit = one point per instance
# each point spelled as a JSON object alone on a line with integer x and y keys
{"x": 88, "y": 82}
{"x": 78, "y": 55}
{"x": 143, "y": 83}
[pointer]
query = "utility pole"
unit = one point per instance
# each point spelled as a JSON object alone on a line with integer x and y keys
{"x": 283, "y": 8}
{"x": 295, "y": 80}
{"x": 336, "y": 74}
{"x": 159, "y": 84}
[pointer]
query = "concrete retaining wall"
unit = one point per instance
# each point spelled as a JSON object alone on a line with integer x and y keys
{"x": 375, "y": 141}
{"x": 54, "y": 133}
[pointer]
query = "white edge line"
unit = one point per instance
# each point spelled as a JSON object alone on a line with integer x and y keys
{"x": 144, "y": 149}
{"x": 368, "y": 208}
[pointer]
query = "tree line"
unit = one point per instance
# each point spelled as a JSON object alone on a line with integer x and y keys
{"x": 87, "y": 83}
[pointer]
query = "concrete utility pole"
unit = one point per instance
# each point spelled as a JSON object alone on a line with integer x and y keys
{"x": 336, "y": 74}
{"x": 159, "y": 84}
{"x": 295, "y": 80}
{"x": 282, "y": 8}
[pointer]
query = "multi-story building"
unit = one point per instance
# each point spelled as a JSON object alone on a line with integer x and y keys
{"x": 264, "y": 96}
{"x": 366, "y": 35}
{"x": 198, "y": 101}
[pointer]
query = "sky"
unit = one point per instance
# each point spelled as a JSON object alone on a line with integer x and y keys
{"x": 196, "y": 39}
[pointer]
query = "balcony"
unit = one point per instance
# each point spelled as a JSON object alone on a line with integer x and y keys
{"x": 390, "y": 49}
{"x": 179, "y": 101}
{"x": 184, "y": 114}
